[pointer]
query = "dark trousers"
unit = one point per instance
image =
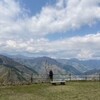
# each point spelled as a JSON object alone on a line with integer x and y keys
{"x": 51, "y": 77}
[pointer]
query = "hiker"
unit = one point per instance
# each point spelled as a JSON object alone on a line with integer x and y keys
{"x": 51, "y": 75}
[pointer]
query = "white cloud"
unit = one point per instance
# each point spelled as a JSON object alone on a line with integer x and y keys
{"x": 9, "y": 9}
{"x": 85, "y": 54}
{"x": 66, "y": 15}
{"x": 63, "y": 16}
{"x": 86, "y": 47}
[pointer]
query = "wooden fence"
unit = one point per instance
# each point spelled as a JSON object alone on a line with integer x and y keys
{"x": 42, "y": 78}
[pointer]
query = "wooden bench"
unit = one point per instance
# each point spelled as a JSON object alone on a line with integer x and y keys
{"x": 58, "y": 82}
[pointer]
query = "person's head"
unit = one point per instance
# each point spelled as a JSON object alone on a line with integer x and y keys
{"x": 50, "y": 69}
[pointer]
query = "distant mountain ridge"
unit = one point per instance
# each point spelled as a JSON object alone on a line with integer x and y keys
{"x": 73, "y": 66}
{"x": 41, "y": 63}
{"x": 82, "y": 65}
{"x": 75, "y": 63}
{"x": 92, "y": 72}
{"x": 11, "y": 71}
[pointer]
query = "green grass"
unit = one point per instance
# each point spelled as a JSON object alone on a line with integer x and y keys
{"x": 70, "y": 91}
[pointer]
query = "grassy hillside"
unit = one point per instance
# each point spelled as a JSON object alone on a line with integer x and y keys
{"x": 70, "y": 91}
{"x": 14, "y": 72}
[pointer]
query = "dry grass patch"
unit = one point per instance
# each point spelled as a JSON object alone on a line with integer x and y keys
{"x": 70, "y": 91}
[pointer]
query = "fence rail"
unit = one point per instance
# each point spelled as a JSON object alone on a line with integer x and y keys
{"x": 62, "y": 77}
{"x": 66, "y": 77}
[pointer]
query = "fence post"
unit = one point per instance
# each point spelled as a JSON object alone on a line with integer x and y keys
{"x": 70, "y": 76}
{"x": 31, "y": 78}
{"x": 85, "y": 77}
{"x": 99, "y": 77}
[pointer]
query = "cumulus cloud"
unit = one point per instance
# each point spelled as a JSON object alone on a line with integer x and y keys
{"x": 63, "y": 16}
{"x": 66, "y": 15}
{"x": 22, "y": 33}
{"x": 86, "y": 47}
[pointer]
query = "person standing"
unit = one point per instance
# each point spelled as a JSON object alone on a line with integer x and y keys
{"x": 51, "y": 75}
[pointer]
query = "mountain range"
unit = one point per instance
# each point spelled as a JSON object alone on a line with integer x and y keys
{"x": 44, "y": 64}
{"x": 20, "y": 68}
{"x": 73, "y": 66}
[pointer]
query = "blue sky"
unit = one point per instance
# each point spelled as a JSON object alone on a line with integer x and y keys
{"x": 54, "y": 28}
{"x": 35, "y": 6}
